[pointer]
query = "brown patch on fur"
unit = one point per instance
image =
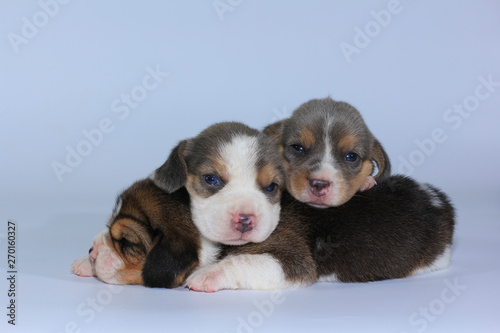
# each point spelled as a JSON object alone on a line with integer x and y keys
{"x": 179, "y": 279}
{"x": 193, "y": 185}
{"x": 297, "y": 182}
{"x": 344, "y": 188}
{"x": 307, "y": 138}
{"x": 194, "y": 182}
{"x": 349, "y": 189}
{"x": 382, "y": 160}
{"x": 133, "y": 263}
{"x": 366, "y": 170}
{"x": 219, "y": 164}
{"x": 132, "y": 273}
{"x": 146, "y": 208}
{"x": 347, "y": 142}
{"x": 266, "y": 175}
{"x": 131, "y": 230}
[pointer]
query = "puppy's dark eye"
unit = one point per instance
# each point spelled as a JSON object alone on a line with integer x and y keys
{"x": 211, "y": 180}
{"x": 271, "y": 187}
{"x": 298, "y": 148}
{"x": 351, "y": 157}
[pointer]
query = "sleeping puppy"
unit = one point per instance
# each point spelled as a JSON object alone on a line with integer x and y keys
{"x": 329, "y": 152}
{"x": 150, "y": 240}
{"x": 397, "y": 229}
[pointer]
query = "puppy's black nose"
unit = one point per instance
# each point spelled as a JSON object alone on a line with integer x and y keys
{"x": 90, "y": 250}
{"x": 319, "y": 186}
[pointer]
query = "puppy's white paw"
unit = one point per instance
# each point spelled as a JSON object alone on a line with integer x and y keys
{"x": 210, "y": 279}
{"x": 83, "y": 266}
{"x": 368, "y": 184}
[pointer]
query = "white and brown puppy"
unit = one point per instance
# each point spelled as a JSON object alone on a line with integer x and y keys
{"x": 329, "y": 152}
{"x": 395, "y": 230}
{"x": 150, "y": 240}
{"x": 234, "y": 176}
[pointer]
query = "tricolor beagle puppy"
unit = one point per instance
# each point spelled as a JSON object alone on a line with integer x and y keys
{"x": 234, "y": 176}
{"x": 208, "y": 218}
{"x": 397, "y": 229}
{"x": 329, "y": 152}
{"x": 150, "y": 240}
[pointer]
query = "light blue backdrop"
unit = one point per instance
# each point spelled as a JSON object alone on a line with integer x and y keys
{"x": 94, "y": 94}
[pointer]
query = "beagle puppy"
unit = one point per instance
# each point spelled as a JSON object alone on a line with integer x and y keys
{"x": 234, "y": 176}
{"x": 329, "y": 152}
{"x": 150, "y": 240}
{"x": 397, "y": 229}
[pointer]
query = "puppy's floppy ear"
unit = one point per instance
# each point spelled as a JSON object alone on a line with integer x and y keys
{"x": 132, "y": 231}
{"x": 382, "y": 160}
{"x": 172, "y": 175}
{"x": 274, "y": 131}
{"x": 169, "y": 262}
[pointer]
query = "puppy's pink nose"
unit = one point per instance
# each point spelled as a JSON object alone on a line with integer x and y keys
{"x": 244, "y": 222}
{"x": 319, "y": 187}
{"x": 93, "y": 253}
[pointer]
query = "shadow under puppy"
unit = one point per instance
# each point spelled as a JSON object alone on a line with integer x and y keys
{"x": 329, "y": 152}
{"x": 395, "y": 230}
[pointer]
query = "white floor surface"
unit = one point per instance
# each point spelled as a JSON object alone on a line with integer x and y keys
{"x": 52, "y": 233}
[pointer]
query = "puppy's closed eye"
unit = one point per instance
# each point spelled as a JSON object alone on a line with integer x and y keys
{"x": 130, "y": 236}
{"x": 129, "y": 247}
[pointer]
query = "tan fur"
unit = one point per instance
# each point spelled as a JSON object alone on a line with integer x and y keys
{"x": 307, "y": 138}
{"x": 347, "y": 142}
{"x": 349, "y": 189}
{"x": 219, "y": 164}
{"x": 297, "y": 182}
{"x": 145, "y": 215}
{"x": 179, "y": 279}
{"x": 132, "y": 273}
{"x": 266, "y": 175}
{"x": 131, "y": 230}
{"x": 380, "y": 157}
{"x": 194, "y": 181}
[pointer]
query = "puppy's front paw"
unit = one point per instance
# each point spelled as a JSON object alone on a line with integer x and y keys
{"x": 368, "y": 184}
{"x": 83, "y": 266}
{"x": 210, "y": 279}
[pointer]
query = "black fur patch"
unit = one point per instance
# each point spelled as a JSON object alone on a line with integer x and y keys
{"x": 166, "y": 266}
{"x": 385, "y": 233}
